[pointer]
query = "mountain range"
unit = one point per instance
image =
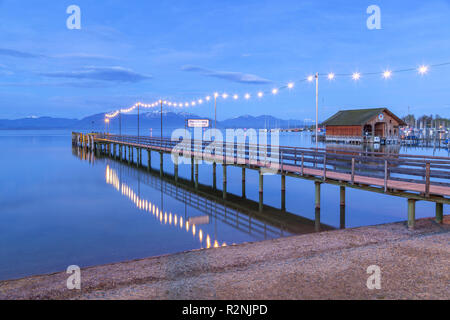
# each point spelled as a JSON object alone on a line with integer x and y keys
{"x": 146, "y": 120}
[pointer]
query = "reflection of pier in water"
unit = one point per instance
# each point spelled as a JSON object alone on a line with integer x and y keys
{"x": 238, "y": 212}
{"x": 143, "y": 204}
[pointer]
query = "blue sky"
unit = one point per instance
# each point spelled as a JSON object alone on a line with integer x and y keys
{"x": 129, "y": 51}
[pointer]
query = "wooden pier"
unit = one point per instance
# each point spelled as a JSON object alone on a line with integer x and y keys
{"x": 414, "y": 177}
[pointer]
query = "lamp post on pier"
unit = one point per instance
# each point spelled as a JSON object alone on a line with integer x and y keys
{"x": 215, "y": 110}
{"x": 107, "y": 124}
{"x": 161, "y": 118}
{"x": 317, "y": 110}
{"x": 138, "y": 120}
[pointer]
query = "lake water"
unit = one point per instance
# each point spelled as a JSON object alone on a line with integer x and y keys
{"x": 59, "y": 207}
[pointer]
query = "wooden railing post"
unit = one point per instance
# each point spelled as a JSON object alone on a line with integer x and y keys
{"x": 324, "y": 166}
{"x": 385, "y": 174}
{"x": 303, "y": 162}
{"x": 281, "y": 161}
{"x": 427, "y": 179}
{"x": 353, "y": 171}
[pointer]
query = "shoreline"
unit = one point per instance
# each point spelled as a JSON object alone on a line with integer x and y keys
{"x": 415, "y": 264}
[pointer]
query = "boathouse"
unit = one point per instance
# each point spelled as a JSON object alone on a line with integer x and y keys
{"x": 377, "y": 125}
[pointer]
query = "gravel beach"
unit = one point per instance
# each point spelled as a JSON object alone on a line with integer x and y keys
{"x": 329, "y": 265}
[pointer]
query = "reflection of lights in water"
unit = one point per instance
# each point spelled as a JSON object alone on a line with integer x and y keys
{"x": 145, "y": 205}
{"x": 208, "y": 242}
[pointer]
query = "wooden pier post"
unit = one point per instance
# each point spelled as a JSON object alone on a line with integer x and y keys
{"x": 161, "y": 156}
{"x": 138, "y": 157}
{"x": 214, "y": 176}
{"x": 342, "y": 207}
{"x": 192, "y": 169}
{"x": 261, "y": 190}
{"x": 196, "y": 174}
{"x": 317, "y": 202}
{"x": 411, "y": 213}
{"x": 283, "y": 192}
{"x": 175, "y": 169}
{"x": 243, "y": 182}
{"x": 342, "y": 196}
{"x": 149, "y": 159}
{"x": 224, "y": 166}
{"x": 317, "y": 206}
{"x": 439, "y": 212}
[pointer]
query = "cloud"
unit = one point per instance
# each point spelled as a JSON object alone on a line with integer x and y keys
{"x": 17, "y": 54}
{"x": 113, "y": 74}
{"x": 83, "y": 56}
{"x": 5, "y": 71}
{"x": 226, "y": 75}
{"x": 73, "y": 84}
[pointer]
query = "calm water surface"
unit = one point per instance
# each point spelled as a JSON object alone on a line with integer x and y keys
{"x": 59, "y": 207}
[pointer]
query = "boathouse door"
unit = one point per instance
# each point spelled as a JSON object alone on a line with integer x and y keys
{"x": 379, "y": 129}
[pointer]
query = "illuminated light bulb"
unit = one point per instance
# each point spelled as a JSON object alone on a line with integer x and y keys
{"x": 260, "y": 94}
{"x": 208, "y": 98}
{"x": 216, "y": 244}
{"x": 235, "y": 97}
{"x": 200, "y": 235}
{"x": 216, "y": 94}
{"x": 186, "y": 104}
{"x": 187, "y": 225}
{"x": 181, "y": 222}
{"x": 224, "y": 244}
{"x": 310, "y": 78}
{"x": 275, "y": 91}
{"x": 174, "y": 104}
{"x": 169, "y": 104}
{"x": 224, "y": 95}
{"x": 200, "y": 101}
{"x": 387, "y": 74}
{"x": 356, "y": 76}
{"x": 193, "y": 229}
{"x": 331, "y": 76}
{"x": 193, "y": 103}
{"x": 247, "y": 96}
{"x": 290, "y": 85}
{"x": 175, "y": 220}
{"x": 165, "y": 217}
{"x": 423, "y": 69}
{"x": 170, "y": 218}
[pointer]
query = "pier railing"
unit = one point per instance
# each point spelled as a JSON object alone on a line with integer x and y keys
{"x": 423, "y": 174}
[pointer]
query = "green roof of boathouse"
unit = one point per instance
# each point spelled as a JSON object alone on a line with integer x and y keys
{"x": 357, "y": 117}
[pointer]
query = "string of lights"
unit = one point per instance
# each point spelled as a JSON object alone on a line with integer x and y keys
{"x": 355, "y": 76}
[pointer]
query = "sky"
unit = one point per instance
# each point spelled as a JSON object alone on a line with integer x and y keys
{"x": 180, "y": 50}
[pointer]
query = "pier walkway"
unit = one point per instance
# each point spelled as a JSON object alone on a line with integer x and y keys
{"x": 414, "y": 177}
